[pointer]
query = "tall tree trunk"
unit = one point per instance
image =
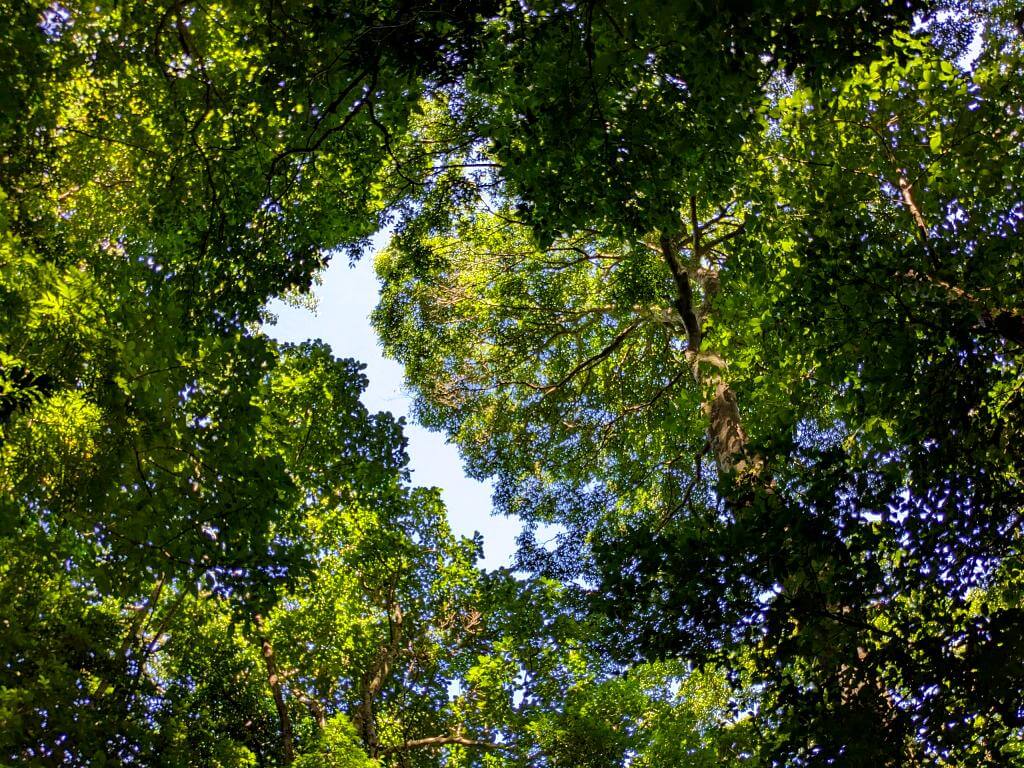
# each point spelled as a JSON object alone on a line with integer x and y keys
{"x": 274, "y": 680}
{"x": 726, "y": 434}
{"x": 729, "y": 441}
{"x": 374, "y": 679}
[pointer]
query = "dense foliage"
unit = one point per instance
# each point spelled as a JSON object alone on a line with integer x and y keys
{"x": 773, "y": 397}
{"x": 729, "y": 292}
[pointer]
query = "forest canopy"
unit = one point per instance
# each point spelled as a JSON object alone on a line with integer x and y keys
{"x": 731, "y": 294}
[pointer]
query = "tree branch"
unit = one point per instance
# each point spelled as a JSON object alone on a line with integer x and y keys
{"x": 439, "y": 741}
{"x": 684, "y": 293}
{"x": 590, "y": 362}
{"x": 1007, "y": 323}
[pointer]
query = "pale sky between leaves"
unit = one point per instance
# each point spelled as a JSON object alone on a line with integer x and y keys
{"x": 342, "y": 319}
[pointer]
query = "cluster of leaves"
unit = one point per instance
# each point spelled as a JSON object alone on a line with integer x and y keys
{"x": 602, "y": 114}
{"x": 212, "y": 555}
{"x": 767, "y": 378}
{"x": 167, "y": 168}
{"x": 729, "y": 292}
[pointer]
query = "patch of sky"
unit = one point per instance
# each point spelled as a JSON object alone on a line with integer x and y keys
{"x": 345, "y": 297}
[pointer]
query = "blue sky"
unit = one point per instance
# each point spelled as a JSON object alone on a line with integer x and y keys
{"x": 346, "y": 298}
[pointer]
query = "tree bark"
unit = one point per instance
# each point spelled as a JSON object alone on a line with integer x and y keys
{"x": 274, "y": 680}
{"x": 907, "y": 195}
{"x": 374, "y": 680}
{"x": 726, "y": 435}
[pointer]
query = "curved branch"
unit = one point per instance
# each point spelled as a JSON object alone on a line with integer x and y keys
{"x": 590, "y": 362}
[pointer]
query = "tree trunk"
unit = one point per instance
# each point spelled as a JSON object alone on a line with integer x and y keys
{"x": 274, "y": 680}
{"x": 726, "y": 435}
{"x": 728, "y": 439}
{"x": 374, "y": 679}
